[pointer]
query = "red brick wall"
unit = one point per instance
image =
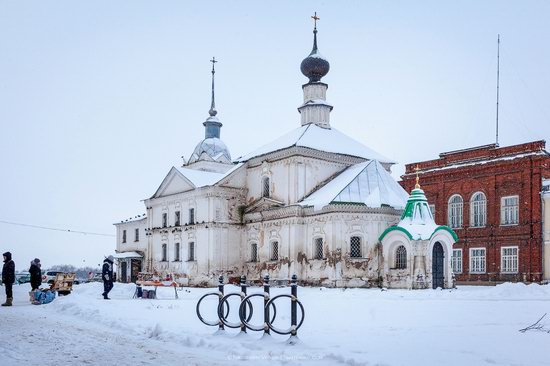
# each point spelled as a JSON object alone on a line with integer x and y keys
{"x": 521, "y": 176}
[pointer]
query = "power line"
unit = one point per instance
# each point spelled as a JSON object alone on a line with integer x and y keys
{"x": 54, "y": 229}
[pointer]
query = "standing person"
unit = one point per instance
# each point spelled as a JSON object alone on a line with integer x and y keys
{"x": 107, "y": 276}
{"x": 8, "y": 278}
{"x": 36, "y": 274}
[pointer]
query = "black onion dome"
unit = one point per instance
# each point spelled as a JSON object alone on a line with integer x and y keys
{"x": 315, "y": 66}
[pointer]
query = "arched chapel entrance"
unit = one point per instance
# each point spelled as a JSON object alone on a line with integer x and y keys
{"x": 438, "y": 266}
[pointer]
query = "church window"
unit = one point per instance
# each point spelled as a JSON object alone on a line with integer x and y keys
{"x": 191, "y": 256}
{"x": 456, "y": 260}
{"x": 455, "y": 211}
{"x": 274, "y": 251}
{"x": 477, "y": 260}
{"x": 177, "y": 218}
{"x": 177, "y": 252}
{"x": 164, "y": 252}
{"x": 478, "y": 210}
{"x": 401, "y": 257}
{"x": 432, "y": 210}
{"x": 265, "y": 187}
{"x": 191, "y": 216}
{"x": 124, "y": 236}
{"x": 254, "y": 252}
{"x": 509, "y": 210}
{"x": 355, "y": 247}
{"x": 318, "y": 249}
{"x": 136, "y": 234}
{"x": 164, "y": 219}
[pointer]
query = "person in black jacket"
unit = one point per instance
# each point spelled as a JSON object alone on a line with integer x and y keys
{"x": 8, "y": 277}
{"x": 36, "y": 274}
{"x": 107, "y": 276}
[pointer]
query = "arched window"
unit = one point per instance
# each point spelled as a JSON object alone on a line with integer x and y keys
{"x": 478, "y": 210}
{"x": 401, "y": 257}
{"x": 274, "y": 255}
{"x": 455, "y": 211}
{"x": 265, "y": 187}
{"x": 191, "y": 251}
{"x": 177, "y": 252}
{"x": 318, "y": 249}
{"x": 355, "y": 247}
{"x": 254, "y": 252}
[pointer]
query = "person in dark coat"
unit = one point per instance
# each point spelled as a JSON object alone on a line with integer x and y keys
{"x": 36, "y": 274}
{"x": 8, "y": 278}
{"x": 107, "y": 276}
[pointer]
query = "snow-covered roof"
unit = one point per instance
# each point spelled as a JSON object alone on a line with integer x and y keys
{"x": 132, "y": 219}
{"x": 318, "y": 138}
{"x": 417, "y": 221}
{"x": 124, "y": 255}
{"x": 366, "y": 183}
{"x": 203, "y": 178}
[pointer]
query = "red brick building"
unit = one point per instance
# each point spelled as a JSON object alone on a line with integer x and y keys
{"x": 493, "y": 198}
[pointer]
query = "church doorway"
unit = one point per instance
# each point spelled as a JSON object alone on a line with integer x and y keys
{"x": 438, "y": 264}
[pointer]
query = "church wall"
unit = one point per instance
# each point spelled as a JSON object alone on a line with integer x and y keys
{"x": 297, "y": 237}
{"x": 291, "y": 178}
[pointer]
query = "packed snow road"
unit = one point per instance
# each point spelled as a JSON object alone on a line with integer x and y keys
{"x": 467, "y": 326}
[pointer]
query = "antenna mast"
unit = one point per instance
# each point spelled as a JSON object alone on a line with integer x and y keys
{"x": 498, "y": 82}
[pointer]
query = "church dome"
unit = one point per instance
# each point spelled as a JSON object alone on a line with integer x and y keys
{"x": 314, "y": 66}
{"x": 211, "y": 149}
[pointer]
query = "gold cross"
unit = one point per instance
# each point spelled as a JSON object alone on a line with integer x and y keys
{"x": 417, "y": 169}
{"x": 315, "y": 19}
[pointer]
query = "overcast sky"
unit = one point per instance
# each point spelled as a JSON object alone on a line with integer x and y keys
{"x": 98, "y": 99}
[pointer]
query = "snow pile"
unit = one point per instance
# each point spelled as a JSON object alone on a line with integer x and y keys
{"x": 467, "y": 326}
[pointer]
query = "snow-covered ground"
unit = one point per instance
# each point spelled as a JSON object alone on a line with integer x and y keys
{"x": 467, "y": 326}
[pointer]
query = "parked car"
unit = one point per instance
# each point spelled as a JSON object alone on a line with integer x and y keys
{"x": 23, "y": 277}
{"x": 49, "y": 277}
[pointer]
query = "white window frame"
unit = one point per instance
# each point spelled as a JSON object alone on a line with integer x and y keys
{"x": 177, "y": 218}
{"x": 165, "y": 219}
{"x": 401, "y": 263}
{"x": 318, "y": 241}
{"x": 512, "y": 259}
{"x": 455, "y": 209}
{"x": 456, "y": 261}
{"x": 124, "y": 236}
{"x": 432, "y": 210}
{"x": 514, "y": 211}
{"x": 136, "y": 234}
{"x": 471, "y": 260}
{"x": 478, "y": 210}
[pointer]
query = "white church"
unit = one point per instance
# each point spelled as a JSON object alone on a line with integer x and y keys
{"x": 314, "y": 202}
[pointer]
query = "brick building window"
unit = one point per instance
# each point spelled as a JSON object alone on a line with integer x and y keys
{"x": 177, "y": 218}
{"x": 509, "y": 210}
{"x": 136, "y": 235}
{"x": 274, "y": 255}
{"x": 456, "y": 260}
{"x": 164, "y": 219}
{"x": 177, "y": 252}
{"x": 401, "y": 257}
{"x": 164, "y": 252}
{"x": 254, "y": 252}
{"x": 355, "y": 247}
{"x": 191, "y": 252}
{"x": 478, "y": 210}
{"x": 477, "y": 260}
{"x": 509, "y": 259}
{"x": 318, "y": 248}
{"x": 124, "y": 236}
{"x": 455, "y": 211}
{"x": 265, "y": 187}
